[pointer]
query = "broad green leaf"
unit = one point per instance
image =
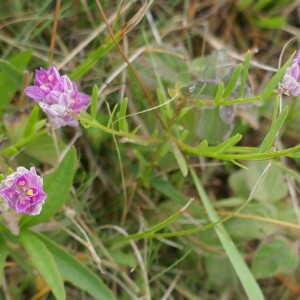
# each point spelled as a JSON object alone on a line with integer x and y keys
{"x": 275, "y": 257}
{"x": 272, "y": 188}
{"x": 11, "y": 72}
{"x": 32, "y": 119}
{"x": 93, "y": 58}
{"x": 250, "y": 285}
{"x": 220, "y": 271}
{"x": 44, "y": 262}
{"x": 273, "y": 82}
{"x": 275, "y": 127}
{"x": 245, "y": 73}
{"x": 180, "y": 160}
{"x": 57, "y": 186}
{"x": 7, "y": 87}
{"x": 94, "y": 101}
{"x": 244, "y": 229}
{"x": 228, "y": 143}
{"x": 75, "y": 272}
{"x": 216, "y": 133}
{"x": 122, "y": 122}
{"x": 233, "y": 81}
{"x": 3, "y": 255}
{"x": 43, "y": 149}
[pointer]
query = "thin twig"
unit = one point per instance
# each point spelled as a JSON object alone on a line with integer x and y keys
{"x": 54, "y": 31}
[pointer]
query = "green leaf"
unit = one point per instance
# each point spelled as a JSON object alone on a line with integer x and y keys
{"x": 32, "y": 119}
{"x": 228, "y": 143}
{"x": 275, "y": 257}
{"x": 21, "y": 60}
{"x": 180, "y": 160}
{"x": 273, "y": 82}
{"x": 57, "y": 186}
{"x": 3, "y": 255}
{"x": 166, "y": 188}
{"x": 233, "y": 81}
{"x": 75, "y": 272}
{"x": 261, "y": 4}
{"x": 249, "y": 283}
{"x": 93, "y": 58}
{"x": 13, "y": 73}
{"x": 272, "y": 188}
{"x": 275, "y": 127}
{"x": 202, "y": 147}
{"x": 122, "y": 122}
{"x": 273, "y": 22}
{"x": 94, "y": 101}
{"x": 7, "y": 87}
{"x": 44, "y": 262}
{"x": 43, "y": 149}
{"x": 245, "y": 74}
{"x": 220, "y": 91}
{"x": 243, "y": 229}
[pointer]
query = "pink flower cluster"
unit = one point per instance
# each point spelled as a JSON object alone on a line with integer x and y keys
{"x": 291, "y": 79}
{"x": 58, "y": 97}
{"x": 23, "y": 191}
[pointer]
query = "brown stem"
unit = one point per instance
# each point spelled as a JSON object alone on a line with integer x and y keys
{"x": 54, "y": 31}
{"x": 129, "y": 64}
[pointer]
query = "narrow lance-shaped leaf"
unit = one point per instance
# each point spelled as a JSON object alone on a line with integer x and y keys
{"x": 233, "y": 81}
{"x": 44, "y": 262}
{"x": 272, "y": 84}
{"x": 245, "y": 73}
{"x": 220, "y": 92}
{"x": 276, "y": 126}
{"x": 57, "y": 185}
{"x": 180, "y": 160}
{"x": 228, "y": 143}
{"x": 122, "y": 122}
{"x": 94, "y": 101}
{"x": 76, "y": 273}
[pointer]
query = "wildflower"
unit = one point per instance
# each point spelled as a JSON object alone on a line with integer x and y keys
{"x": 58, "y": 97}
{"x": 23, "y": 191}
{"x": 291, "y": 80}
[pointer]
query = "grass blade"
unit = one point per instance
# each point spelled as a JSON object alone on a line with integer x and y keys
{"x": 93, "y": 58}
{"x": 250, "y": 285}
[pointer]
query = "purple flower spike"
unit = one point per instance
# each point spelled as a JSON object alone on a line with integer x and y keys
{"x": 291, "y": 79}
{"x": 23, "y": 191}
{"x": 58, "y": 97}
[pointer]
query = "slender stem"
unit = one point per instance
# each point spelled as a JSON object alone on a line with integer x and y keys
{"x": 129, "y": 64}
{"x": 54, "y": 31}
